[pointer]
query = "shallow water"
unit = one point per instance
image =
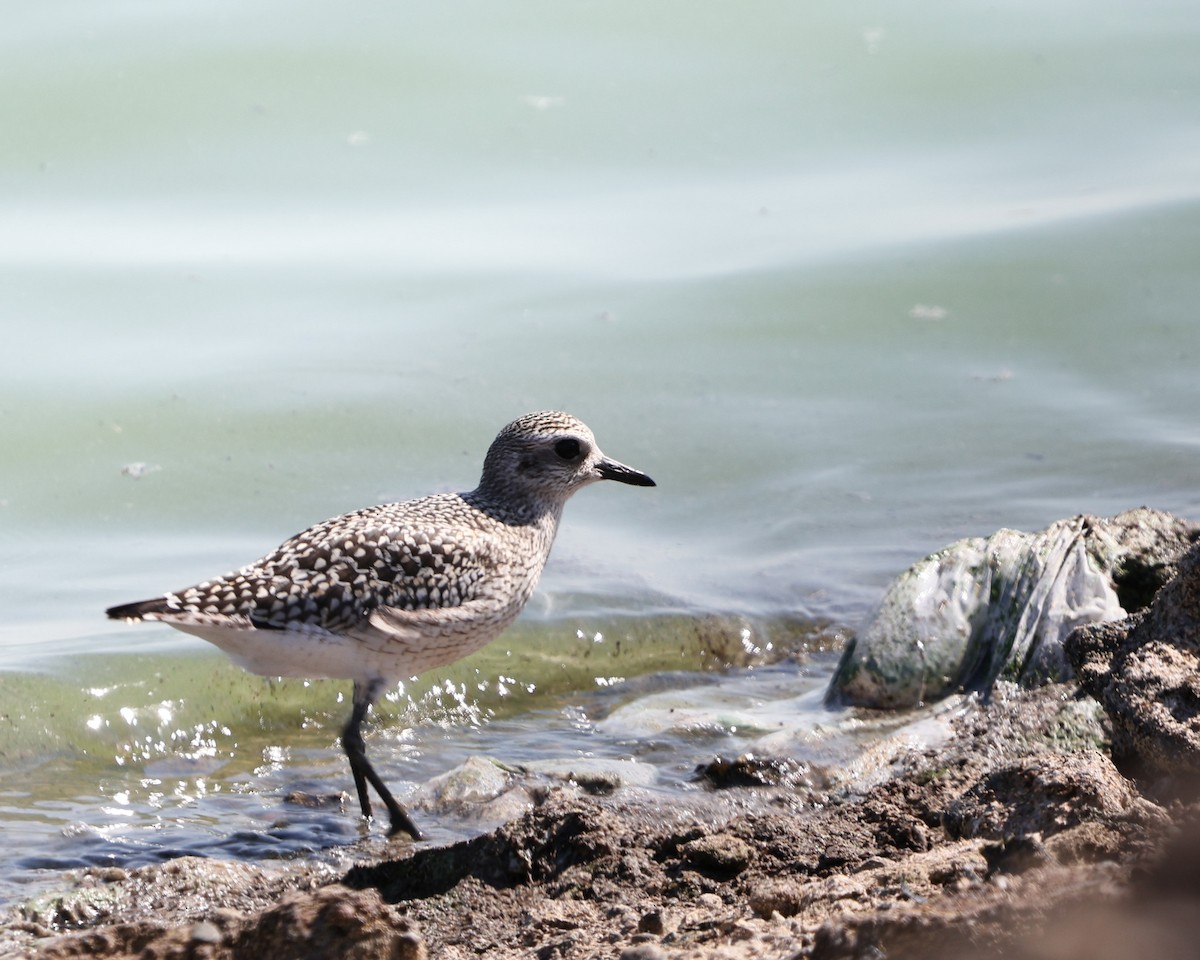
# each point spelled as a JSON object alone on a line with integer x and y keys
{"x": 849, "y": 282}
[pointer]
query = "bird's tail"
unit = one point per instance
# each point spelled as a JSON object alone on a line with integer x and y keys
{"x": 138, "y": 609}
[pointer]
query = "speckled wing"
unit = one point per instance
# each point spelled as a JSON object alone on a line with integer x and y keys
{"x": 430, "y": 638}
{"x": 334, "y": 575}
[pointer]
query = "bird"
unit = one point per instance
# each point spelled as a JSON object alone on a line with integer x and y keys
{"x": 385, "y": 593}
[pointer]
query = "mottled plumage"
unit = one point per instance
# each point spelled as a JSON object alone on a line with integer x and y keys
{"x": 388, "y": 592}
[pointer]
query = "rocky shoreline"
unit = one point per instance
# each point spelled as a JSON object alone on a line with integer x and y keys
{"x": 1020, "y": 835}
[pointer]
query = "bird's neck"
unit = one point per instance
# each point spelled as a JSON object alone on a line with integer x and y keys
{"x": 516, "y": 511}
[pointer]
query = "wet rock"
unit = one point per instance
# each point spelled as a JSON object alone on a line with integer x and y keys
{"x": 597, "y": 776}
{"x": 102, "y": 896}
{"x": 316, "y": 801}
{"x": 751, "y": 771}
{"x": 473, "y": 783}
{"x": 985, "y": 609}
{"x": 1145, "y": 672}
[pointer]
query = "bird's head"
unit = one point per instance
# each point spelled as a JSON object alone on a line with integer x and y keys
{"x": 545, "y": 457}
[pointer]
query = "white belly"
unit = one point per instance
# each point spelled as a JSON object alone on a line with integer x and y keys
{"x": 364, "y": 656}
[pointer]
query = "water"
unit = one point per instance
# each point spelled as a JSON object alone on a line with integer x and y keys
{"x": 850, "y": 281}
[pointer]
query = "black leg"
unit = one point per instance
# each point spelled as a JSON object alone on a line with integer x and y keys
{"x": 356, "y": 751}
{"x": 360, "y": 766}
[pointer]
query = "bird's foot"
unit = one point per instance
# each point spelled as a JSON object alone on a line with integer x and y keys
{"x": 402, "y": 823}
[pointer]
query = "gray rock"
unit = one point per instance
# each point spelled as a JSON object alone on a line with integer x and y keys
{"x": 1000, "y": 607}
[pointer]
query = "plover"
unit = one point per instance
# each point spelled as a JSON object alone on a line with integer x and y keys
{"x": 385, "y": 593}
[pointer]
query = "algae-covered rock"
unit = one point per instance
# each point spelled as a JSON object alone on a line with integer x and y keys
{"x": 998, "y": 607}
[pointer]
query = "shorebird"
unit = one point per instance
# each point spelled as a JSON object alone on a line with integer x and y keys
{"x": 388, "y": 592}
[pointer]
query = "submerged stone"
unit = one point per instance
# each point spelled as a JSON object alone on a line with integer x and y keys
{"x": 1000, "y": 607}
{"x": 750, "y": 771}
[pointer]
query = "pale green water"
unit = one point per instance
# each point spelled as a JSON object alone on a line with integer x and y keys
{"x": 849, "y": 280}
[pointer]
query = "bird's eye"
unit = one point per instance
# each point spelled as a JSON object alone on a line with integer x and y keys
{"x": 568, "y": 449}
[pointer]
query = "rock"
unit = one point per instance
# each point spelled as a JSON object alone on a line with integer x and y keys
{"x": 332, "y": 924}
{"x": 643, "y": 951}
{"x": 1017, "y": 855}
{"x": 538, "y": 846}
{"x": 473, "y": 783}
{"x": 719, "y": 854}
{"x": 652, "y": 922}
{"x": 751, "y": 771}
{"x": 1145, "y": 672}
{"x": 205, "y": 932}
{"x": 775, "y": 895}
{"x": 316, "y": 801}
{"x": 1087, "y": 843}
{"x": 1040, "y": 795}
{"x": 986, "y": 609}
{"x": 597, "y": 776}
